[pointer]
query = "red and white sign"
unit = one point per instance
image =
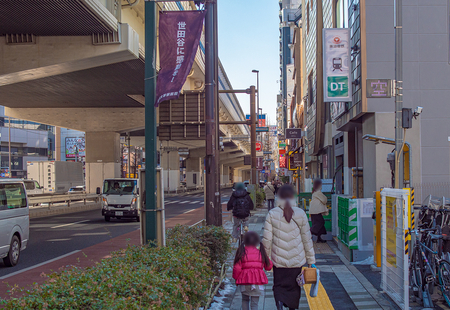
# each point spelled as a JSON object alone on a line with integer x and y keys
{"x": 258, "y": 146}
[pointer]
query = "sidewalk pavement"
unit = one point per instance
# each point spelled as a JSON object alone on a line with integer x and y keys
{"x": 343, "y": 285}
{"x": 89, "y": 256}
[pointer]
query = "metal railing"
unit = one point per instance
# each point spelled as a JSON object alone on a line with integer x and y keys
{"x": 34, "y": 200}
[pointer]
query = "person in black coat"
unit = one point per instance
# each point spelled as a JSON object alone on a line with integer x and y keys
{"x": 240, "y": 203}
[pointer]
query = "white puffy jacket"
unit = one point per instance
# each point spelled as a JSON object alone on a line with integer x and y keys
{"x": 289, "y": 245}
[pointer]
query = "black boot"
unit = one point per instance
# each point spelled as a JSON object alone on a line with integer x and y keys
{"x": 320, "y": 240}
{"x": 280, "y": 305}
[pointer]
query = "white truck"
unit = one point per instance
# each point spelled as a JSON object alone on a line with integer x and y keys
{"x": 56, "y": 176}
{"x": 120, "y": 198}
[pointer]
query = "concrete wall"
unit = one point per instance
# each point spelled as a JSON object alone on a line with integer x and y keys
{"x": 426, "y": 77}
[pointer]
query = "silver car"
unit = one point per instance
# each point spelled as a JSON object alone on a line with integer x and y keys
{"x": 14, "y": 220}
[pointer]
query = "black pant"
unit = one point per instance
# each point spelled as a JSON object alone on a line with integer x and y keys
{"x": 270, "y": 203}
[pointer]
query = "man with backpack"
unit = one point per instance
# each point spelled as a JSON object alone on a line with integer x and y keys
{"x": 241, "y": 203}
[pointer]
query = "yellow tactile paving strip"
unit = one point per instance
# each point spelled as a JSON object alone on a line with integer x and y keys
{"x": 321, "y": 302}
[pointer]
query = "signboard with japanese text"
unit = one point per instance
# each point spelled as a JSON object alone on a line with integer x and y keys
{"x": 75, "y": 147}
{"x": 336, "y": 65}
{"x": 379, "y": 88}
{"x": 178, "y": 43}
{"x": 281, "y": 144}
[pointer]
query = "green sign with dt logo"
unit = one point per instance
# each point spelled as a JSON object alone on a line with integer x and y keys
{"x": 337, "y": 86}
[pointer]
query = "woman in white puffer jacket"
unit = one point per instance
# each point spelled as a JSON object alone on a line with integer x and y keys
{"x": 287, "y": 240}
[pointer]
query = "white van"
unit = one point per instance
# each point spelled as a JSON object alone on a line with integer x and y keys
{"x": 14, "y": 220}
{"x": 120, "y": 198}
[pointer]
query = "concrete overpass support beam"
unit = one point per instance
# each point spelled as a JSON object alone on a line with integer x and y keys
{"x": 170, "y": 161}
{"x": 102, "y": 158}
{"x": 193, "y": 172}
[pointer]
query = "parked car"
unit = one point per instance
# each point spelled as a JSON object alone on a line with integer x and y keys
{"x": 77, "y": 190}
{"x": 14, "y": 220}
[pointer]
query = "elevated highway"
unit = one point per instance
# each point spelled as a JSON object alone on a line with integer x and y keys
{"x": 80, "y": 65}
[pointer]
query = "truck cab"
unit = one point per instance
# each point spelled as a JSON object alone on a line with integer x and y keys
{"x": 120, "y": 198}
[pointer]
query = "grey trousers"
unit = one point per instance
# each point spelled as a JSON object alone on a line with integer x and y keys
{"x": 250, "y": 302}
{"x": 237, "y": 226}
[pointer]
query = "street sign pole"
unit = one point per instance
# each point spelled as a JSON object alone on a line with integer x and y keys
{"x": 150, "y": 232}
{"x": 398, "y": 92}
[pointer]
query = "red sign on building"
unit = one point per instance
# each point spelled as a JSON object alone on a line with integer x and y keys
{"x": 258, "y": 146}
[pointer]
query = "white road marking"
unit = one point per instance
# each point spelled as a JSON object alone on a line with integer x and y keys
{"x": 188, "y": 211}
{"x": 91, "y": 234}
{"x": 38, "y": 265}
{"x": 70, "y": 224}
{"x": 194, "y": 202}
{"x": 169, "y": 202}
{"x": 56, "y": 240}
{"x": 187, "y": 201}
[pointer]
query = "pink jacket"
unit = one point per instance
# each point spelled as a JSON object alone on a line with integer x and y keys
{"x": 250, "y": 270}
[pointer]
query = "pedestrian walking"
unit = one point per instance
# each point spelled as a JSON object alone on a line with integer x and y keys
{"x": 248, "y": 270}
{"x": 269, "y": 190}
{"x": 241, "y": 203}
{"x": 317, "y": 209}
{"x": 287, "y": 240}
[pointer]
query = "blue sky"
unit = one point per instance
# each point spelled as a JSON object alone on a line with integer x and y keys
{"x": 249, "y": 39}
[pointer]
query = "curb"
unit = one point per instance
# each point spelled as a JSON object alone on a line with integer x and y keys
{"x": 45, "y": 212}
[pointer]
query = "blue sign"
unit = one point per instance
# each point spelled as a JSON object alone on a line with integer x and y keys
{"x": 263, "y": 171}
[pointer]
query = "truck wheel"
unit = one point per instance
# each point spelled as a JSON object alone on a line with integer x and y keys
{"x": 14, "y": 253}
{"x": 107, "y": 218}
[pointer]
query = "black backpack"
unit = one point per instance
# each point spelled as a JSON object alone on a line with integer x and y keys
{"x": 241, "y": 207}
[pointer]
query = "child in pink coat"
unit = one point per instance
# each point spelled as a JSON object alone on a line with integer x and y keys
{"x": 248, "y": 270}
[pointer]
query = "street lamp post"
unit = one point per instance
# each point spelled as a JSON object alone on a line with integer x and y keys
{"x": 257, "y": 111}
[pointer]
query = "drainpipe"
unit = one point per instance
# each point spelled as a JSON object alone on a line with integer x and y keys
{"x": 130, "y": 5}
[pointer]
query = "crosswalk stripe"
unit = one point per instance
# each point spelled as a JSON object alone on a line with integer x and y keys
{"x": 183, "y": 202}
{"x": 194, "y": 202}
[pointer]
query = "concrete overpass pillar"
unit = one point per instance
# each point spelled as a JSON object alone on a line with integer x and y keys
{"x": 170, "y": 162}
{"x": 193, "y": 172}
{"x": 102, "y": 158}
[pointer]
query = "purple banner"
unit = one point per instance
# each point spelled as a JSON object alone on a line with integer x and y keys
{"x": 179, "y": 36}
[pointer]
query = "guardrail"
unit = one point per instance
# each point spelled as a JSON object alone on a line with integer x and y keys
{"x": 59, "y": 198}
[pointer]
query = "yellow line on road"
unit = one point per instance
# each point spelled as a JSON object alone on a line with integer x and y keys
{"x": 321, "y": 302}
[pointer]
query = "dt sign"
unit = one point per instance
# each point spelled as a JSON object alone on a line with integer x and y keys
{"x": 258, "y": 146}
{"x": 337, "y": 86}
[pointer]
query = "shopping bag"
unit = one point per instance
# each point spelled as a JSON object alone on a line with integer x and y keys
{"x": 315, "y": 286}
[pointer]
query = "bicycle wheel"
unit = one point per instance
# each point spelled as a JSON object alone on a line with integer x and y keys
{"x": 444, "y": 280}
{"x": 438, "y": 245}
{"x": 415, "y": 272}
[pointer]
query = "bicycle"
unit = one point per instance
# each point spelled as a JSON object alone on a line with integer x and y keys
{"x": 422, "y": 268}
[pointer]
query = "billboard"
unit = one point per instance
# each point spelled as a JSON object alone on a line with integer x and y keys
{"x": 75, "y": 146}
{"x": 262, "y": 119}
{"x": 336, "y": 65}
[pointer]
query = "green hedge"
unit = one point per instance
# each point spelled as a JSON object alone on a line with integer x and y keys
{"x": 177, "y": 276}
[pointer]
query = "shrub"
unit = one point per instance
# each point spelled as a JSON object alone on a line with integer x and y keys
{"x": 215, "y": 241}
{"x": 260, "y": 196}
{"x": 177, "y": 276}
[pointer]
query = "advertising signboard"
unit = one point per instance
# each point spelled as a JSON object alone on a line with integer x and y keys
{"x": 293, "y": 133}
{"x": 262, "y": 119}
{"x": 336, "y": 65}
{"x": 74, "y": 147}
{"x": 281, "y": 144}
{"x": 379, "y": 88}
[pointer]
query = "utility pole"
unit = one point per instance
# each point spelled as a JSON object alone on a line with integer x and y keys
{"x": 398, "y": 92}
{"x": 210, "y": 158}
{"x": 218, "y": 213}
{"x": 253, "y": 134}
{"x": 150, "y": 233}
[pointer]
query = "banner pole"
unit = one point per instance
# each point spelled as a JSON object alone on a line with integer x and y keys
{"x": 210, "y": 158}
{"x": 150, "y": 232}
